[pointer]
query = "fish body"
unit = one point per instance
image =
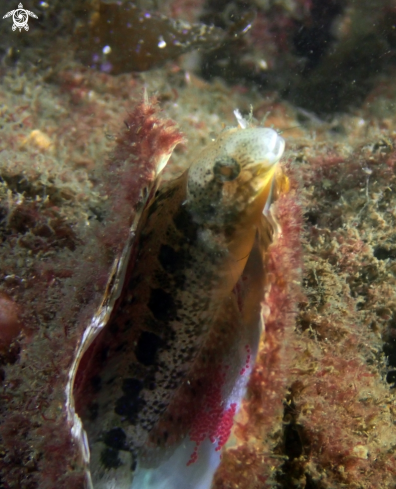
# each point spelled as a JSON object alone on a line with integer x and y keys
{"x": 172, "y": 363}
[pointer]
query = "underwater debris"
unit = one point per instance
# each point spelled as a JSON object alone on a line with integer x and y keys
{"x": 123, "y": 38}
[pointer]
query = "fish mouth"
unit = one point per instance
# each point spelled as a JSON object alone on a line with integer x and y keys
{"x": 263, "y": 171}
{"x": 268, "y": 150}
{"x": 276, "y": 147}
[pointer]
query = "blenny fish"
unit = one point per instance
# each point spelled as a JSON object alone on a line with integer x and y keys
{"x": 164, "y": 365}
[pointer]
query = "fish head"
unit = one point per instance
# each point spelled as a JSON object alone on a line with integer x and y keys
{"x": 231, "y": 179}
{"x": 229, "y": 187}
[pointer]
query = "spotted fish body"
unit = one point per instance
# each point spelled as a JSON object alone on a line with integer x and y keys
{"x": 170, "y": 361}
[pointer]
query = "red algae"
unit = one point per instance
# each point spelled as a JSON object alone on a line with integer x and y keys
{"x": 338, "y": 426}
{"x": 145, "y": 142}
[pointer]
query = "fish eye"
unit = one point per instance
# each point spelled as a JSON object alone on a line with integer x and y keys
{"x": 226, "y": 169}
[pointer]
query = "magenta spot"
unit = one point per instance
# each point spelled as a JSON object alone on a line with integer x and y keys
{"x": 238, "y": 294}
{"x": 213, "y": 421}
{"x": 106, "y": 67}
{"x": 247, "y": 363}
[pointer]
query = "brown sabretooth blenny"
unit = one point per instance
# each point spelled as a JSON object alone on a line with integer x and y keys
{"x": 170, "y": 367}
